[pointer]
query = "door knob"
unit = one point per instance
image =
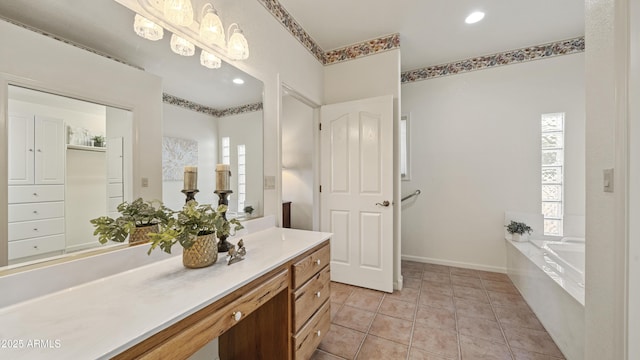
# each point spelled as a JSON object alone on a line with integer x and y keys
{"x": 384, "y": 203}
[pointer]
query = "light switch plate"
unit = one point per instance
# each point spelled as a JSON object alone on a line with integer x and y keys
{"x": 145, "y": 182}
{"x": 269, "y": 182}
{"x": 607, "y": 175}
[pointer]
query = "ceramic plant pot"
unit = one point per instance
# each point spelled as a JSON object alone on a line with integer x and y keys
{"x": 520, "y": 237}
{"x": 203, "y": 252}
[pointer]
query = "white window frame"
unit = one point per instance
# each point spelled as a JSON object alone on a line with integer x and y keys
{"x": 225, "y": 153}
{"x": 405, "y": 147}
{"x": 242, "y": 174}
{"x": 561, "y": 202}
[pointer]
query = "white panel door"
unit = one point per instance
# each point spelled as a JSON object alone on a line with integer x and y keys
{"x": 115, "y": 160}
{"x": 50, "y": 150}
{"x": 357, "y": 190}
{"x": 21, "y": 149}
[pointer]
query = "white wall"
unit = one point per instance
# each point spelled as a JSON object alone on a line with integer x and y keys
{"x": 186, "y": 124}
{"x": 607, "y": 56}
{"x": 633, "y": 318}
{"x": 367, "y": 77}
{"x": 244, "y": 129}
{"x": 77, "y": 73}
{"x": 475, "y": 147}
{"x": 276, "y": 58}
{"x": 298, "y": 147}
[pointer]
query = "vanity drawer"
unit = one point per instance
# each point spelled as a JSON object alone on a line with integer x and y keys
{"x": 308, "y": 339}
{"x": 310, "y": 265}
{"x": 35, "y": 193}
{"x": 36, "y": 246}
{"x": 310, "y": 297}
{"x": 38, "y": 228}
{"x": 36, "y": 211}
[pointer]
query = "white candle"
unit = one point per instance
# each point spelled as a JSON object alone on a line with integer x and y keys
{"x": 222, "y": 177}
{"x": 190, "y": 177}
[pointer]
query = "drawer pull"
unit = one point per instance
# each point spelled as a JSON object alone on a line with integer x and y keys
{"x": 318, "y": 262}
{"x": 237, "y": 315}
{"x": 35, "y": 211}
{"x": 31, "y": 150}
{"x": 35, "y": 229}
{"x": 318, "y": 333}
{"x": 318, "y": 294}
{"x": 35, "y": 194}
{"x": 39, "y": 150}
{"x": 35, "y": 246}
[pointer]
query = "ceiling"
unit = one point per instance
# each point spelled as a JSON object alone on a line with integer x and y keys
{"x": 107, "y": 26}
{"x": 431, "y": 31}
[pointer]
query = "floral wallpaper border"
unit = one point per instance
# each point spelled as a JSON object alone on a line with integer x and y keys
{"x": 365, "y": 48}
{"x": 190, "y": 105}
{"x": 385, "y": 43}
{"x": 69, "y": 42}
{"x": 282, "y": 15}
{"x": 537, "y": 52}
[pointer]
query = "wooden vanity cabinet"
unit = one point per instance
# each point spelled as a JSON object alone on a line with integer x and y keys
{"x": 311, "y": 313}
{"x": 284, "y": 314}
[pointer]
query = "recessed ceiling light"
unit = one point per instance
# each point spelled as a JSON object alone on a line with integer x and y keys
{"x": 474, "y": 17}
{"x": 238, "y": 81}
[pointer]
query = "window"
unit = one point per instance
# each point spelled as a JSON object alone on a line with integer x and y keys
{"x": 242, "y": 177}
{"x": 552, "y": 126}
{"x": 405, "y": 172}
{"x": 226, "y": 151}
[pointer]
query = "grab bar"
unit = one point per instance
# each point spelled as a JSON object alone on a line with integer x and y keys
{"x": 415, "y": 193}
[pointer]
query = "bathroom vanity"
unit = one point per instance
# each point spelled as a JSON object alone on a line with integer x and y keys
{"x": 275, "y": 303}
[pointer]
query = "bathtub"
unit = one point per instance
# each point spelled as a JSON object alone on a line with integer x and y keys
{"x": 550, "y": 276}
{"x": 566, "y": 258}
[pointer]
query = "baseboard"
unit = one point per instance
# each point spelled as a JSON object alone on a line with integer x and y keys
{"x": 455, "y": 264}
{"x": 397, "y": 285}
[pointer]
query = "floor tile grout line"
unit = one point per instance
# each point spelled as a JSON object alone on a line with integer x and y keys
{"x": 413, "y": 324}
{"x": 504, "y": 335}
{"x": 369, "y": 328}
{"x": 455, "y": 315}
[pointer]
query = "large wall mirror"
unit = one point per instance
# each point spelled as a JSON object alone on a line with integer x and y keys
{"x": 209, "y": 117}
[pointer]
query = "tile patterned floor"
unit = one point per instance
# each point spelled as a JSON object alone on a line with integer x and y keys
{"x": 443, "y": 313}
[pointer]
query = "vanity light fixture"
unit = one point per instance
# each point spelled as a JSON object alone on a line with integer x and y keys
{"x": 237, "y": 46}
{"x": 209, "y": 60}
{"x": 211, "y": 29}
{"x": 181, "y": 46}
{"x": 474, "y": 17}
{"x": 177, "y": 17}
{"x": 179, "y": 12}
{"x": 147, "y": 29}
{"x": 238, "y": 81}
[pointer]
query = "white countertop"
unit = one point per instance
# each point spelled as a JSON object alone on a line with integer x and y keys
{"x": 104, "y": 317}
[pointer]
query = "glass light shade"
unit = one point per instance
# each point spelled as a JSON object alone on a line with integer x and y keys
{"x": 211, "y": 30}
{"x": 181, "y": 46}
{"x": 209, "y": 60}
{"x": 147, "y": 29}
{"x": 179, "y": 12}
{"x": 237, "y": 47}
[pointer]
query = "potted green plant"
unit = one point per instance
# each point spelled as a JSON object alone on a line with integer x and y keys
{"x": 249, "y": 210}
{"x": 195, "y": 228}
{"x": 137, "y": 219}
{"x": 519, "y": 231}
{"x": 223, "y": 228}
{"x": 98, "y": 140}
